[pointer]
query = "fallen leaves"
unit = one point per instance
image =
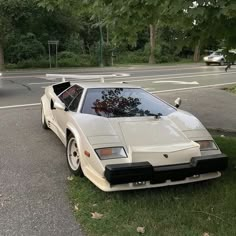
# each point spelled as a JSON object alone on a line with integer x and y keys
{"x": 96, "y": 215}
{"x": 206, "y": 234}
{"x": 76, "y": 207}
{"x": 70, "y": 178}
{"x": 141, "y": 230}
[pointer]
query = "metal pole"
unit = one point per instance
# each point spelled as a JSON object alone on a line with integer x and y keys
{"x": 112, "y": 55}
{"x": 50, "y": 64}
{"x": 101, "y": 44}
{"x": 56, "y": 54}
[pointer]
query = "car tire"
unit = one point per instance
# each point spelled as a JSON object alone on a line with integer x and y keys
{"x": 221, "y": 63}
{"x": 207, "y": 63}
{"x": 73, "y": 156}
{"x": 43, "y": 119}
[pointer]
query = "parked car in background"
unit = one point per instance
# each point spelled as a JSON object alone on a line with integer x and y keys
{"x": 218, "y": 57}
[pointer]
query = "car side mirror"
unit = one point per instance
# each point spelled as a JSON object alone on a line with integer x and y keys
{"x": 178, "y": 102}
{"x": 58, "y": 106}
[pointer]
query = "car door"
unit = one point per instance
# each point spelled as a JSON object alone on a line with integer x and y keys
{"x": 70, "y": 98}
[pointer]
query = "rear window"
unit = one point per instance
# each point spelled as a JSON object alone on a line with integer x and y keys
{"x": 123, "y": 102}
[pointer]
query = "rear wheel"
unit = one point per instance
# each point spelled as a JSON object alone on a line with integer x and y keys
{"x": 73, "y": 156}
{"x": 43, "y": 119}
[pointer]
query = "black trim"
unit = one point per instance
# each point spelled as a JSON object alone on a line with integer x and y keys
{"x": 59, "y": 88}
{"x": 144, "y": 171}
{"x": 130, "y": 172}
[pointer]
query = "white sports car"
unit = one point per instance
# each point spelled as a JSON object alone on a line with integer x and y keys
{"x": 121, "y": 137}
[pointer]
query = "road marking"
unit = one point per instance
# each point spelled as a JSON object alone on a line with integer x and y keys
{"x": 175, "y": 82}
{"x": 150, "y": 77}
{"x": 148, "y": 89}
{"x": 22, "y": 105}
{"x": 52, "y": 82}
{"x": 178, "y": 77}
{"x": 190, "y": 88}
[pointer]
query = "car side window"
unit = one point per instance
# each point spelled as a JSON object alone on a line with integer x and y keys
{"x": 75, "y": 103}
{"x": 68, "y": 96}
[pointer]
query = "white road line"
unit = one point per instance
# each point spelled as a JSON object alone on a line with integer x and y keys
{"x": 148, "y": 89}
{"x": 52, "y": 82}
{"x": 152, "y": 77}
{"x": 178, "y": 77}
{"x": 175, "y": 82}
{"x": 195, "y": 87}
{"x": 22, "y": 105}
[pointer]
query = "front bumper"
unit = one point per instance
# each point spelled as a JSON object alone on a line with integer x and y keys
{"x": 144, "y": 171}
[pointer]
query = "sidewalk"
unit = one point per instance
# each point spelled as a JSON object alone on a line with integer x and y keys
{"x": 215, "y": 108}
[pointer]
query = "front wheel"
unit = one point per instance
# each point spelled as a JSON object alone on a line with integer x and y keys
{"x": 73, "y": 156}
{"x": 221, "y": 63}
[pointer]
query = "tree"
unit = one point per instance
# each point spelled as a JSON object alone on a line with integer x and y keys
{"x": 12, "y": 16}
{"x": 127, "y": 18}
{"x": 207, "y": 19}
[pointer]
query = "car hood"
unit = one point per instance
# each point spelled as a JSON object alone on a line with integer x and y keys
{"x": 151, "y": 132}
{"x": 142, "y": 137}
{"x": 138, "y": 131}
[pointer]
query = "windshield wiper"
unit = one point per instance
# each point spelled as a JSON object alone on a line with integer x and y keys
{"x": 157, "y": 116}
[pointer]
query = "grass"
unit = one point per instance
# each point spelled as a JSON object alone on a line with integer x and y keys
{"x": 232, "y": 89}
{"x": 187, "y": 210}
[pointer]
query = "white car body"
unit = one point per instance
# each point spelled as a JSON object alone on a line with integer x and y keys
{"x": 215, "y": 58}
{"x": 158, "y": 149}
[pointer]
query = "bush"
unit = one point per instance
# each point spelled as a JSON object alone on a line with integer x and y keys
{"x": 30, "y": 63}
{"x": 75, "y": 44}
{"x": 27, "y": 47}
{"x": 73, "y": 60}
{"x": 131, "y": 57}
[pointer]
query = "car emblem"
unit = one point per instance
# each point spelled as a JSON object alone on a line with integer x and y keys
{"x": 165, "y": 155}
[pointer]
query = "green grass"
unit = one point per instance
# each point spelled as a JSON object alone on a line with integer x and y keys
{"x": 187, "y": 210}
{"x": 232, "y": 89}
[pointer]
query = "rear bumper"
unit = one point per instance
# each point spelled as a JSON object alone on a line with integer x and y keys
{"x": 144, "y": 171}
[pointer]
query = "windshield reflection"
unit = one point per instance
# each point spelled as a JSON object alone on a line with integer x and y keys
{"x": 123, "y": 102}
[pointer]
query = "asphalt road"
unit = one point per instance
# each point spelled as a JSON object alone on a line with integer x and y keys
{"x": 33, "y": 171}
{"x": 27, "y": 87}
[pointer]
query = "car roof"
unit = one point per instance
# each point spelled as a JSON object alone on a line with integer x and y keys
{"x": 88, "y": 85}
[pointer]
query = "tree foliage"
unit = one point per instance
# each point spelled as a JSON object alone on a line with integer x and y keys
{"x": 158, "y": 29}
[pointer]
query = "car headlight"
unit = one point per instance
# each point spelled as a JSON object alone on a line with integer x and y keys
{"x": 207, "y": 145}
{"x": 111, "y": 153}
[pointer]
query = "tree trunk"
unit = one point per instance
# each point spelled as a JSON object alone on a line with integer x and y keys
{"x": 196, "y": 56}
{"x": 1, "y": 57}
{"x": 152, "y": 43}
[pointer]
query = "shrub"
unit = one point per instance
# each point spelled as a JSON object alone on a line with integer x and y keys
{"x": 66, "y": 55}
{"x": 131, "y": 57}
{"x": 27, "y": 47}
{"x": 73, "y": 60}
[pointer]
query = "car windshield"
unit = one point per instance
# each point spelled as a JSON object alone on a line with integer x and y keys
{"x": 124, "y": 102}
{"x": 216, "y": 53}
